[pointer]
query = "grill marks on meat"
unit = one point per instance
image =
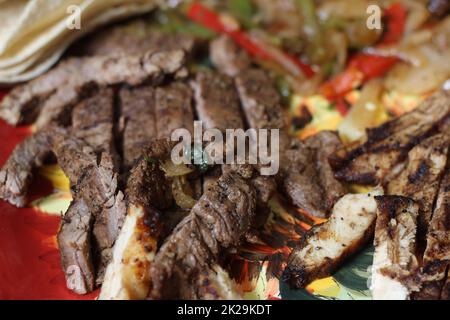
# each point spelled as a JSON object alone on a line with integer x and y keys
{"x": 217, "y": 101}
{"x": 326, "y": 246}
{"x": 173, "y": 109}
{"x": 308, "y": 178}
{"x": 138, "y": 113}
{"x": 394, "y": 263}
{"x": 420, "y": 179}
{"x": 436, "y": 259}
{"x": 218, "y": 221}
{"x": 17, "y": 173}
{"x": 370, "y": 162}
{"x": 62, "y": 85}
{"x": 133, "y": 38}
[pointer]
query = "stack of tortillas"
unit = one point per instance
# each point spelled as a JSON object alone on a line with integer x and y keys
{"x": 35, "y": 33}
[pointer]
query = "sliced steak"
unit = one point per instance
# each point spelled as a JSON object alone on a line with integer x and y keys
{"x": 93, "y": 121}
{"x": 308, "y": 178}
{"x": 371, "y": 161}
{"x": 421, "y": 176}
{"x": 92, "y": 179}
{"x": 17, "y": 173}
{"x": 66, "y": 81}
{"x": 74, "y": 242}
{"x": 218, "y": 221}
{"x": 173, "y": 109}
{"x": 217, "y": 102}
{"x": 138, "y": 113}
{"x": 227, "y": 57}
{"x": 132, "y": 38}
{"x": 260, "y": 100}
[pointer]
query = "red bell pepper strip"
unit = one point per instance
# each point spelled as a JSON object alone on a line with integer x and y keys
{"x": 211, "y": 20}
{"x": 395, "y": 20}
{"x": 363, "y": 67}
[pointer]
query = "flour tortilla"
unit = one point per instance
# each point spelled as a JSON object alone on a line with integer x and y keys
{"x": 47, "y": 33}
{"x": 44, "y": 60}
{"x": 44, "y": 42}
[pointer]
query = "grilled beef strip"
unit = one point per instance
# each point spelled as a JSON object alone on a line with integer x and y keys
{"x": 173, "y": 108}
{"x": 217, "y": 102}
{"x": 93, "y": 121}
{"x": 63, "y": 85}
{"x": 395, "y": 266}
{"x": 305, "y": 174}
{"x": 132, "y": 38}
{"x": 17, "y": 173}
{"x": 93, "y": 180}
{"x": 436, "y": 259}
{"x": 218, "y": 221}
{"x": 324, "y": 248}
{"x": 228, "y": 57}
{"x": 371, "y": 161}
{"x": 308, "y": 178}
{"x": 138, "y": 114}
{"x": 420, "y": 179}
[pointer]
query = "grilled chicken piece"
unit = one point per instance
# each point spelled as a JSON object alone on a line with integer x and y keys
{"x": 326, "y": 246}
{"x": 436, "y": 259}
{"x": 48, "y": 96}
{"x": 394, "y": 263}
{"x": 148, "y": 195}
{"x": 421, "y": 176}
{"x": 371, "y": 161}
{"x": 217, "y": 222}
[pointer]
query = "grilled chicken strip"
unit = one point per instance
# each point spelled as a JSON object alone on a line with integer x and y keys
{"x": 52, "y": 92}
{"x": 394, "y": 262}
{"x": 373, "y": 160}
{"x": 326, "y": 246}
{"x": 436, "y": 259}
{"x": 218, "y": 221}
{"x": 420, "y": 179}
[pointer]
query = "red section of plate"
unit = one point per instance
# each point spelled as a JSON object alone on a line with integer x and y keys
{"x": 29, "y": 258}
